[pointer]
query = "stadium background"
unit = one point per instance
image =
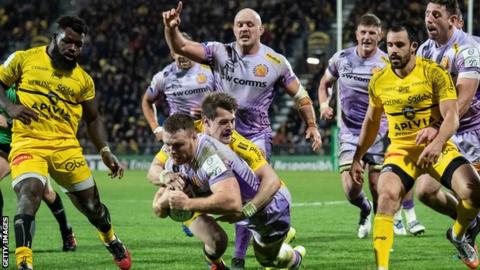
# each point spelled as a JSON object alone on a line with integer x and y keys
{"x": 126, "y": 48}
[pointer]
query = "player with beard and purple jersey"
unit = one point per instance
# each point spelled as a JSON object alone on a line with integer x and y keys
{"x": 352, "y": 69}
{"x": 251, "y": 72}
{"x": 457, "y": 52}
{"x": 220, "y": 182}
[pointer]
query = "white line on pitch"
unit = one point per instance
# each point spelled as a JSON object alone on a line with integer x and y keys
{"x": 324, "y": 203}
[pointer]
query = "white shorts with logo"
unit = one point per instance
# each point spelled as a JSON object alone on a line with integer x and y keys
{"x": 374, "y": 156}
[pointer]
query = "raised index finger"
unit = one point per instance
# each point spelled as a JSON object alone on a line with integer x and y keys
{"x": 179, "y": 7}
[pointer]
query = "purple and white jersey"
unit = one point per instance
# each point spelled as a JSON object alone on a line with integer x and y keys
{"x": 214, "y": 162}
{"x": 353, "y": 74}
{"x": 461, "y": 57}
{"x": 184, "y": 89}
{"x": 251, "y": 79}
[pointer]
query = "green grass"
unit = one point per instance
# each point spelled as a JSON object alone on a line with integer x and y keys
{"x": 328, "y": 231}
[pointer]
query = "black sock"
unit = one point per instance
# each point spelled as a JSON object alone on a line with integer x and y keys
{"x": 103, "y": 224}
{"x": 59, "y": 212}
{"x": 24, "y": 230}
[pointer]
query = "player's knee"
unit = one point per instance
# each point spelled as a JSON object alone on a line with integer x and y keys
{"x": 49, "y": 195}
{"x": 93, "y": 209}
{"x": 388, "y": 202}
{"x": 218, "y": 241}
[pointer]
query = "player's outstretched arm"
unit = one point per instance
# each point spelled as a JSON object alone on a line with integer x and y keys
{"x": 370, "y": 127}
{"x": 176, "y": 41}
{"x": 304, "y": 105}
{"x": 98, "y": 136}
{"x": 327, "y": 81}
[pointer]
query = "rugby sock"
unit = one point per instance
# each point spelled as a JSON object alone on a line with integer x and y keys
{"x": 59, "y": 212}
{"x": 242, "y": 239}
{"x": 408, "y": 207}
{"x": 398, "y": 215}
{"x": 24, "y": 254}
{"x": 382, "y": 239}
{"x": 362, "y": 203}
{"x": 465, "y": 214}
{"x": 104, "y": 226}
{"x": 24, "y": 230}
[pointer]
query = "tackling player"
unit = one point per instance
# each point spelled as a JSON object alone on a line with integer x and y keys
{"x": 251, "y": 72}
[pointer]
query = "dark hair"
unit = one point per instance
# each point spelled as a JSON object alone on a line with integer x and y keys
{"x": 369, "y": 19}
{"x": 451, "y": 6}
{"x": 77, "y": 24}
{"x": 217, "y": 100}
{"x": 399, "y": 27}
{"x": 177, "y": 122}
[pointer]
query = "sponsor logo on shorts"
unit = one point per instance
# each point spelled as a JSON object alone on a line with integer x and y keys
{"x": 74, "y": 164}
{"x": 21, "y": 158}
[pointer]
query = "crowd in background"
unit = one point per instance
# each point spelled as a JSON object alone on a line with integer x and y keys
{"x": 126, "y": 48}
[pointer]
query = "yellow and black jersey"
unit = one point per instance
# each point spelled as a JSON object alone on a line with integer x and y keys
{"x": 55, "y": 95}
{"x": 411, "y": 103}
{"x": 247, "y": 151}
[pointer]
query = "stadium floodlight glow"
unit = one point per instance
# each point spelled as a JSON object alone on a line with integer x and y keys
{"x": 313, "y": 61}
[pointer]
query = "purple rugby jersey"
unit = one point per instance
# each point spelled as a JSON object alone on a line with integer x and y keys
{"x": 353, "y": 74}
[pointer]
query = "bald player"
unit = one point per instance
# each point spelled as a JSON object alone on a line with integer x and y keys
{"x": 251, "y": 72}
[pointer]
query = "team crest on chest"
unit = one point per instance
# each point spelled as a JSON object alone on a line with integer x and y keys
{"x": 201, "y": 78}
{"x": 260, "y": 70}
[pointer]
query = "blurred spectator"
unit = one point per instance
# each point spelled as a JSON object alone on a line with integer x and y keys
{"x": 125, "y": 48}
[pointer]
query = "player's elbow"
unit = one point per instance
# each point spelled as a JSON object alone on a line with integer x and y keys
{"x": 233, "y": 204}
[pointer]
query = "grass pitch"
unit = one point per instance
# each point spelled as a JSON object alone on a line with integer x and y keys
{"x": 326, "y": 225}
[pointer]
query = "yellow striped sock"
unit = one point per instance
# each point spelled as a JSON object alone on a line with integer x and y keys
{"x": 108, "y": 236}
